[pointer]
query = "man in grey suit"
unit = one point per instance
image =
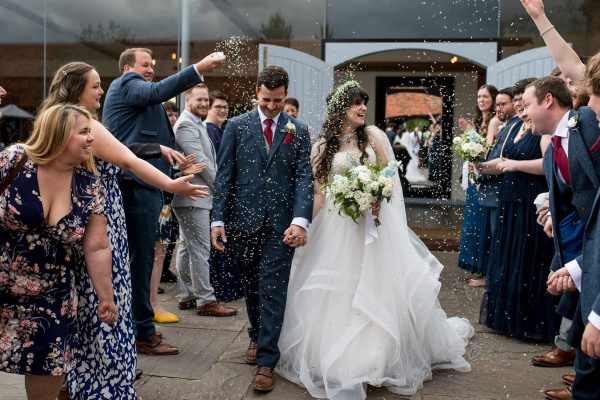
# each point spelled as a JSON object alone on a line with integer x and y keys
{"x": 195, "y": 290}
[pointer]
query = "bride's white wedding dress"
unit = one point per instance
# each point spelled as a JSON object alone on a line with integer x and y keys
{"x": 361, "y": 314}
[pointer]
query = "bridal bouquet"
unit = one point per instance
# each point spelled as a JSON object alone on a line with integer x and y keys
{"x": 470, "y": 146}
{"x": 358, "y": 188}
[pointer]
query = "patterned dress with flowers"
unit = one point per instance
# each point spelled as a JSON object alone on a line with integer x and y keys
{"x": 38, "y": 300}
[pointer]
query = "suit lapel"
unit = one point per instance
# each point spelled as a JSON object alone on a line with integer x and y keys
{"x": 259, "y": 137}
{"x": 278, "y": 135}
{"x": 579, "y": 150}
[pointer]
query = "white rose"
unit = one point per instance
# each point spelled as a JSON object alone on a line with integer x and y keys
{"x": 374, "y": 186}
{"x": 457, "y": 140}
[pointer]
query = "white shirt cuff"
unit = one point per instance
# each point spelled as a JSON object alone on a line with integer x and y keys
{"x": 199, "y": 74}
{"x": 217, "y": 223}
{"x": 575, "y": 272}
{"x": 302, "y": 222}
{"x": 594, "y": 320}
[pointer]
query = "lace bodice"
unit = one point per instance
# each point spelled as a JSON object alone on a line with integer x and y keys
{"x": 349, "y": 154}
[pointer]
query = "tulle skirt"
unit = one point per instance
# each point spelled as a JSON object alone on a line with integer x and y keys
{"x": 361, "y": 314}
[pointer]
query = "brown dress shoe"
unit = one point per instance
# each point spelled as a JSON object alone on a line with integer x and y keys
{"x": 215, "y": 309}
{"x": 250, "y": 355}
{"x": 559, "y": 394}
{"x": 187, "y": 305}
{"x": 568, "y": 379}
{"x": 155, "y": 346}
{"x": 554, "y": 358}
{"x": 263, "y": 380}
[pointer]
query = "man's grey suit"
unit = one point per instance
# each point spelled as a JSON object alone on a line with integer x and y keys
{"x": 194, "y": 215}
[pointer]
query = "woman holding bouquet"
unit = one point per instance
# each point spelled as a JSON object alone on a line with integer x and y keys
{"x": 363, "y": 311}
{"x": 473, "y": 216}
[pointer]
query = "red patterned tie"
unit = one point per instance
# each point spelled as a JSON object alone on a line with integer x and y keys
{"x": 560, "y": 157}
{"x": 269, "y": 131}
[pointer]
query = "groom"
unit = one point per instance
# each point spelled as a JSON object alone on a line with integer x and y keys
{"x": 263, "y": 193}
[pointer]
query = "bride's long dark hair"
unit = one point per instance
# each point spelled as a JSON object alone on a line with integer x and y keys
{"x": 338, "y": 103}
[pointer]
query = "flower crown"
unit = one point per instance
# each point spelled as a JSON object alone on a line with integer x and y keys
{"x": 339, "y": 94}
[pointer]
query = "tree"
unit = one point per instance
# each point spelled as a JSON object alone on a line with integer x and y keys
{"x": 100, "y": 34}
{"x": 276, "y": 28}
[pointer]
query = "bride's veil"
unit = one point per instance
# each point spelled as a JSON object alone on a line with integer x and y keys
{"x": 397, "y": 201}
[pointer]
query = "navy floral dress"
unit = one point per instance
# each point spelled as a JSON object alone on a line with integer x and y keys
{"x": 38, "y": 299}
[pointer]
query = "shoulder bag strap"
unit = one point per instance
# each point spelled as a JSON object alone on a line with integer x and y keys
{"x": 13, "y": 174}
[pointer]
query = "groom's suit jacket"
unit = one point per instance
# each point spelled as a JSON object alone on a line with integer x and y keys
{"x": 256, "y": 184}
{"x": 584, "y": 167}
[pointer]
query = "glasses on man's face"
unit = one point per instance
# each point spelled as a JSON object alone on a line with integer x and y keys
{"x": 501, "y": 105}
{"x": 222, "y": 108}
{"x": 517, "y": 100}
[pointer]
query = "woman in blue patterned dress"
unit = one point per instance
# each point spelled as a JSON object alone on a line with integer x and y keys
{"x": 49, "y": 212}
{"x": 106, "y": 358}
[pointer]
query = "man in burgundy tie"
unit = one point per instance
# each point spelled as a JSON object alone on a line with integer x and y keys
{"x": 572, "y": 168}
{"x": 263, "y": 194}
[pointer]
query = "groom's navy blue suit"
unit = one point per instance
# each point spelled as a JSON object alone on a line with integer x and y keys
{"x": 570, "y": 208}
{"x": 258, "y": 192}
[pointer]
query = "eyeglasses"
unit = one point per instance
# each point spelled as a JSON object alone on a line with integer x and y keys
{"x": 221, "y": 108}
{"x": 500, "y": 105}
{"x": 517, "y": 100}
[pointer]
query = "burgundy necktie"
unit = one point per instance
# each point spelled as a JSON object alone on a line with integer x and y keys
{"x": 560, "y": 157}
{"x": 269, "y": 131}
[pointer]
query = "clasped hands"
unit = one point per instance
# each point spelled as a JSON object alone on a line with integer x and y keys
{"x": 294, "y": 236}
{"x": 560, "y": 281}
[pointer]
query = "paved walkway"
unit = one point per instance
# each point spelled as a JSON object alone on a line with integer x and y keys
{"x": 211, "y": 364}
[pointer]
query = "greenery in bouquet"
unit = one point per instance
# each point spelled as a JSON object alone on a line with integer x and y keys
{"x": 357, "y": 189}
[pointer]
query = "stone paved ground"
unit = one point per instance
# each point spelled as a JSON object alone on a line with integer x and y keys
{"x": 211, "y": 364}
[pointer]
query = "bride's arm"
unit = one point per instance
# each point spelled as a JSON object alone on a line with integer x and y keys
{"x": 319, "y": 196}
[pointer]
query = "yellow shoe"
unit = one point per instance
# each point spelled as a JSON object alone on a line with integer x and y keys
{"x": 165, "y": 318}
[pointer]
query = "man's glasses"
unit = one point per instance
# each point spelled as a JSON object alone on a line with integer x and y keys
{"x": 221, "y": 108}
{"x": 500, "y": 105}
{"x": 517, "y": 100}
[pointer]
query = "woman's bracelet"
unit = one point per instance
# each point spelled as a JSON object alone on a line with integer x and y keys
{"x": 547, "y": 30}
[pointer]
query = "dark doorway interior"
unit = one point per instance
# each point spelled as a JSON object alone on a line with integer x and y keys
{"x": 408, "y": 104}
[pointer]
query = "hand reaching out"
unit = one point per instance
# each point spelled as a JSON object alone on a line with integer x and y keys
{"x": 183, "y": 187}
{"x": 194, "y": 169}
{"x": 534, "y": 8}
{"x": 172, "y": 156}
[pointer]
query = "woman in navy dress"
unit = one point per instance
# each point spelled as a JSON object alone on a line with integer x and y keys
{"x": 516, "y": 303}
{"x": 473, "y": 216}
{"x": 49, "y": 213}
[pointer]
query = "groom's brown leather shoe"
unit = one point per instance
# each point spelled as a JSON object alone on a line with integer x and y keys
{"x": 250, "y": 355}
{"x": 263, "y": 380}
{"x": 554, "y": 358}
{"x": 215, "y": 309}
{"x": 559, "y": 394}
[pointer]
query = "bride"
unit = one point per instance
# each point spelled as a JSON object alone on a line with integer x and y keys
{"x": 361, "y": 313}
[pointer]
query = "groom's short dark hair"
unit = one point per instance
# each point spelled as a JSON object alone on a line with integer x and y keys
{"x": 273, "y": 76}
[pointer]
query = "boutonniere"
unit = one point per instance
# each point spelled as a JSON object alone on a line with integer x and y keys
{"x": 501, "y": 127}
{"x": 290, "y": 130}
{"x": 572, "y": 123}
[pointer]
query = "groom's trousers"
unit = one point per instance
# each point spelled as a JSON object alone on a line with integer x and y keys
{"x": 264, "y": 262}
